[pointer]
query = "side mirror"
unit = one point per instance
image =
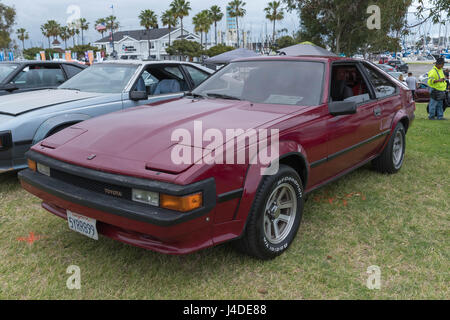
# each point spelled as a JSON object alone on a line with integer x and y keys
{"x": 138, "y": 95}
{"x": 339, "y": 108}
{"x": 9, "y": 87}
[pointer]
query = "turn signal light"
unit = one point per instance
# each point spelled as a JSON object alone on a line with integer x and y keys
{"x": 32, "y": 165}
{"x": 182, "y": 204}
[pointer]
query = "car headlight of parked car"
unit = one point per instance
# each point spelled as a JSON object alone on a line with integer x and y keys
{"x": 5, "y": 140}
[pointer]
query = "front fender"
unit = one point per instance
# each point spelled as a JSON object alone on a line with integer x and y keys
{"x": 64, "y": 119}
{"x": 254, "y": 178}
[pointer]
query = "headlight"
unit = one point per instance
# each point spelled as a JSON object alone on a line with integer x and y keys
{"x": 5, "y": 140}
{"x": 43, "y": 169}
{"x": 148, "y": 197}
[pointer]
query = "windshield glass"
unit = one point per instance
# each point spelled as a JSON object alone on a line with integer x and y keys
{"x": 6, "y": 69}
{"x": 103, "y": 78}
{"x": 270, "y": 81}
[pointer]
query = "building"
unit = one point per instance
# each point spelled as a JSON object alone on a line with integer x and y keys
{"x": 134, "y": 44}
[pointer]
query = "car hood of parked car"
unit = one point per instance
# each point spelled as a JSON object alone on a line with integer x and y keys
{"x": 20, "y": 103}
{"x": 143, "y": 138}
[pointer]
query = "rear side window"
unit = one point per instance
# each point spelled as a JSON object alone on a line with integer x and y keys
{"x": 36, "y": 76}
{"x": 196, "y": 75}
{"x": 383, "y": 87}
{"x": 72, "y": 70}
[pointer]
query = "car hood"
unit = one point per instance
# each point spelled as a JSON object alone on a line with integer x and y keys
{"x": 19, "y": 103}
{"x": 144, "y": 137}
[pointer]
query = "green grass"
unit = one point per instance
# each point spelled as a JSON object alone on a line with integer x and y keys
{"x": 400, "y": 223}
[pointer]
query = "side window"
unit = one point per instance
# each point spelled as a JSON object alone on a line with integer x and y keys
{"x": 196, "y": 75}
{"x": 39, "y": 76}
{"x": 72, "y": 70}
{"x": 347, "y": 84}
{"x": 383, "y": 87}
{"x": 147, "y": 82}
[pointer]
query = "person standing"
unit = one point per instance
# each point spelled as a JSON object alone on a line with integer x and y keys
{"x": 412, "y": 84}
{"x": 438, "y": 86}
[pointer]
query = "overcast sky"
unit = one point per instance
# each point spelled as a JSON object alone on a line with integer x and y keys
{"x": 31, "y": 14}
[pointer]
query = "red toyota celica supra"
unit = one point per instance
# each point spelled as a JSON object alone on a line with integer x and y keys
{"x": 232, "y": 160}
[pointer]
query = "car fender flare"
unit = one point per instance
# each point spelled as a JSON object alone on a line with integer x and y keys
{"x": 253, "y": 179}
{"x": 400, "y": 116}
{"x": 48, "y": 125}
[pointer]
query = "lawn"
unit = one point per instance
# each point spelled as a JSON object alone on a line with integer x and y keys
{"x": 399, "y": 223}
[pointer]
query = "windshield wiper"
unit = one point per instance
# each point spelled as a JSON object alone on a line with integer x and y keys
{"x": 74, "y": 89}
{"x": 222, "y": 96}
{"x": 194, "y": 95}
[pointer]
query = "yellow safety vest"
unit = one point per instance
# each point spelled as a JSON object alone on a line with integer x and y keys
{"x": 436, "y": 74}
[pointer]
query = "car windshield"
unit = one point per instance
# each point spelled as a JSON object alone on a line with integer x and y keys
{"x": 269, "y": 81}
{"x": 6, "y": 69}
{"x": 102, "y": 78}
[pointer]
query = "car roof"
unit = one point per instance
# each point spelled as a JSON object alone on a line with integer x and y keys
{"x": 38, "y": 62}
{"x": 298, "y": 58}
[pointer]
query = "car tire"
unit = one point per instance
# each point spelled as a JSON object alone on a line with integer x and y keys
{"x": 391, "y": 159}
{"x": 270, "y": 229}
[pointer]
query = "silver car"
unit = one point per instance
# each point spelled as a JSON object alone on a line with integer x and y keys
{"x": 26, "y": 118}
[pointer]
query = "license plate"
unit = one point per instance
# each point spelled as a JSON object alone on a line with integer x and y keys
{"x": 81, "y": 224}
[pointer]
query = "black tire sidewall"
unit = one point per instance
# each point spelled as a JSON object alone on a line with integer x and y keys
{"x": 285, "y": 175}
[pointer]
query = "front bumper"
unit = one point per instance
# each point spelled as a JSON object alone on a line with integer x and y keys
{"x": 146, "y": 226}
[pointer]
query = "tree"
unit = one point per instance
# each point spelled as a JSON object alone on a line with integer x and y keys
{"x": 438, "y": 10}
{"x": 101, "y": 21}
{"x": 84, "y": 26}
{"x": 22, "y": 34}
{"x": 112, "y": 23}
{"x": 7, "y": 21}
{"x": 219, "y": 49}
{"x": 185, "y": 48}
{"x": 65, "y": 34}
{"x": 283, "y": 42}
{"x": 72, "y": 34}
{"x": 180, "y": 9}
{"x": 235, "y": 10}
{"x": 51, "y": 29}
{"x": 216, "y": 16}
{"x": 148, "y": 19}
{"x": 342, "y": 24}
{"x": 274, "y": 13}
{"x": 202, "y": 23}
{"x": 169, "y": 20}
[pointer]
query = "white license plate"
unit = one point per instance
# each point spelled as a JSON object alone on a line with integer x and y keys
{"x": 81, "y": 224}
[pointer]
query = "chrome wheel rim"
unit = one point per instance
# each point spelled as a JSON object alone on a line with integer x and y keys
{"x": 279, "y": 213}
{"x": 397, "y": 153}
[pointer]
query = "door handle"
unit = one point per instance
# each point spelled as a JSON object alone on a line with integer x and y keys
{"x": 377, "y": 112}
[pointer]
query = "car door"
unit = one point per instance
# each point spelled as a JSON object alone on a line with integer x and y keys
{"x": 422, "y": 93}
{"x": 38, "y": 76}
{"x": 162, "y": 82}
{"x": 352, "y": 138}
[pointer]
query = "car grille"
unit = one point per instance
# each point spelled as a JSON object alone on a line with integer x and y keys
{"x": 92, "y": 185}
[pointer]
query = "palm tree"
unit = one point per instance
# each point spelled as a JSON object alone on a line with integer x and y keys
{"x": 202, "y": 23}
{"x": 72, "y": 33}
{"x": 235, "y": 10}
{"x": 50, "y": 29}
{"x": 22, "y": 34}
{"x": 65, "y": 34}
{"x": 148, "y": 20}
{"x": 180, "y": 9}
{"x": 84, "y": 26}
{"x": 168, "y": 20}
{"x": 112, "y": 23}
{"x": 274, "y": 13}
{"x": 101, "y": 21}
{"x": 216, "y": 16}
